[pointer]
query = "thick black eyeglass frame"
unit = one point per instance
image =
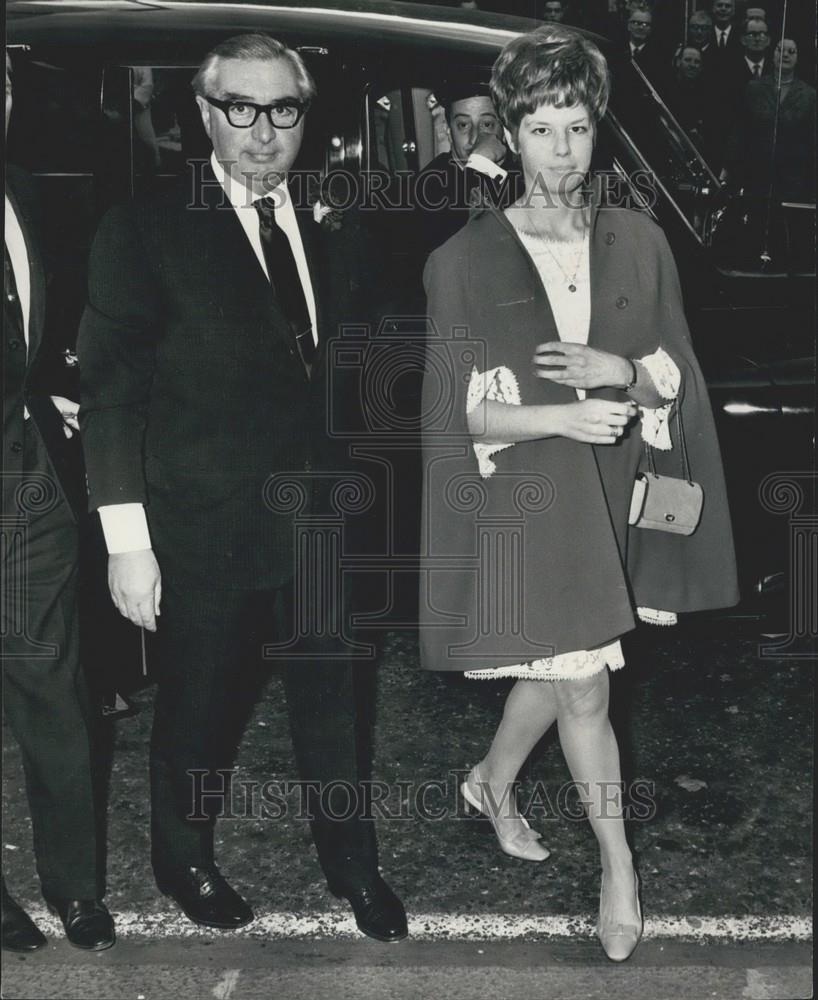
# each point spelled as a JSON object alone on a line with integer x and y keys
{"x": 300, "y": 107}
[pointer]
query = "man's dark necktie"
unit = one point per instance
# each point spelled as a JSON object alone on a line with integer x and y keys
{"x": 757, "y": 71}
{"x": 284, "y": 277}
{"x": 722, "y": 41}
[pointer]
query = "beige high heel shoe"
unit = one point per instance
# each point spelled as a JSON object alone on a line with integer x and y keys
{"x": 523, "y": 842}
{"x": 619, "y": 941}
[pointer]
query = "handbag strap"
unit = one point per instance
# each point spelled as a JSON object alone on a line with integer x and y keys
{"x": 682, "y": 447}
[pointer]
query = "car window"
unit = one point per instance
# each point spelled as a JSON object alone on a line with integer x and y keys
{"x": 407, "y": 127}
{"x": 56, "y": 121}
{"x": 154, "y": 111}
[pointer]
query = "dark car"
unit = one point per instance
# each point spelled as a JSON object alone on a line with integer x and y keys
{"x": 104, "y": 110}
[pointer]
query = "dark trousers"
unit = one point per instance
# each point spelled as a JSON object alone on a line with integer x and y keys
{"x": 209, "y": 641}
{"x": 45, "y": 701}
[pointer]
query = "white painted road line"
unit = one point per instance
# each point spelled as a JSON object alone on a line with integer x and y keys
{"x": 223, "y": 990}
{"x": 455, "y": 927}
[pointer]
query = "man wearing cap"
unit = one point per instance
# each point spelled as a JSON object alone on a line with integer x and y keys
{"x": 477, "y": 168}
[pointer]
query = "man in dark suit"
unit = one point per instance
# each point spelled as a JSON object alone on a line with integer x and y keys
{"x": 641, "y": 49}
{"x": 203, "y": 353}
{"x": 771, "y": 152}
{"x": 700, "y": 35}
{"x": 476, "y": 169}
{"x": 755, "y": 61}
{"x": 44, "y": 696}
{"x": 726, "y": 32}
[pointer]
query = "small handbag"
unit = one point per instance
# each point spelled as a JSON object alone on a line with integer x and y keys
{"x": 665, "y": 503}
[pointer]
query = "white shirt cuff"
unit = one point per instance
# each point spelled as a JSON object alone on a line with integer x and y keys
{"x": 483, "y": 165}
{"x": 125, "y": 528}
{"x": 667, "y": 378}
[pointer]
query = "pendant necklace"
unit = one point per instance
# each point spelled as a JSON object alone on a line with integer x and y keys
{"x": 571, "y": 280}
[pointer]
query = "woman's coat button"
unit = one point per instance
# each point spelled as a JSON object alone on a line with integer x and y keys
{"x": 622, "y": 302}
{"x": 610, "y": 238}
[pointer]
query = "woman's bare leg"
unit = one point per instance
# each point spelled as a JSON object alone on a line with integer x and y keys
{"x": 592, "y": 754}
{"x": 529, "y": 713}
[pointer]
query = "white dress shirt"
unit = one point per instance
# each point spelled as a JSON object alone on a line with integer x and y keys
{"x": 18, "y": 255}
{"x": 725, "y": 32}
{"x": 483, "y": 165}
{"x": 124, "y": 525}
{"x": 242, "y": 199}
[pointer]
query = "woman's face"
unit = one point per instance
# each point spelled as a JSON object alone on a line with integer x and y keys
{"x": 555, "y": 147}
{"x": 786, "y": 55}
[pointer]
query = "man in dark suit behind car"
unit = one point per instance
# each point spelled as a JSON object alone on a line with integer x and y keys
{"x": 477, "y": 168}
{"x": 203, "y": 353}
{"x": 45, "y": 700}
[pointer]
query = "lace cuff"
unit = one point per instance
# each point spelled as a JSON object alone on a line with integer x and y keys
{"x": 667, "y": 378}
{"x": 500, "y": 385}
{"x": 654, "y": 617}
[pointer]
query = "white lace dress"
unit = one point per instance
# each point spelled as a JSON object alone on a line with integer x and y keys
{"x": 560, "y": 264}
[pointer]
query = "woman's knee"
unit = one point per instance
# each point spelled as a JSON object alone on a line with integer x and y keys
{"x": 586, "y": 698}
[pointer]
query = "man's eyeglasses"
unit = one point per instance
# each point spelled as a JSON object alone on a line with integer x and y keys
{"x": 755, "y": 34}
{"x": 286, "y": 113}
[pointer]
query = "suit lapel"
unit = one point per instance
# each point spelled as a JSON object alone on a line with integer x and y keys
{"x": 237, "y": 258}
{"x": 233, "y": 254}
{"x": 315, "y": 252}
{"x": 36, "y": 315}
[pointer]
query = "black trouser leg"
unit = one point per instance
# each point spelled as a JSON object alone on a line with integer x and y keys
{"x": 209, "y": 641}
{"x": 323, "y": 722}
{"x": 46, "y": 704}
{"x": 199, "y": 655}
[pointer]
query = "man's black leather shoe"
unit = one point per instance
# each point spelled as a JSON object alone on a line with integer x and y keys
{"x": 87, "y": 922}
{"x": 205, "y": 897}
{"x": 18, "y": 931}
{"x": 378, "y": 911}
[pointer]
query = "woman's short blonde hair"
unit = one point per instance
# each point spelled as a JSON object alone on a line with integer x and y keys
{"x": 550, "y": 65}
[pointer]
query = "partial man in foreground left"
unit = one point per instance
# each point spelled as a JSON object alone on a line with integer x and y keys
{"x": 45, "y": 700}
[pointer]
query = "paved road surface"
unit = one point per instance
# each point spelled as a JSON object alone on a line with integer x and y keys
{"x": 360, "y": 969}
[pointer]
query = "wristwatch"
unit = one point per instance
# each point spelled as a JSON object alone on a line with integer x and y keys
{"x": 634, "y": 376}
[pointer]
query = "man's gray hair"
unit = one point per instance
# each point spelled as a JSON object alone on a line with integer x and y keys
{"x": 255, "y": 46}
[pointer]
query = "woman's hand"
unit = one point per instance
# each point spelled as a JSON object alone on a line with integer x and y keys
{"x": 593, "y": 421}
{"x": 580, "y": 366}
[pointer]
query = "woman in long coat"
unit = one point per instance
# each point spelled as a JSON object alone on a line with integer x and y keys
{"x": 559, "y": 350}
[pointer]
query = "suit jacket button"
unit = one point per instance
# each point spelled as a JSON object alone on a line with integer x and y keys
{"x": 16, "y": 447}
{"x": 610, "y": 238}
{"x": 622, "y": 302}
{"x": 14, "y": 345}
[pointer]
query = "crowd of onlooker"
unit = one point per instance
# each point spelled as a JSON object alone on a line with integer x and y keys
{"x": 728, "y": 70}
{"x": 732, "y": 83}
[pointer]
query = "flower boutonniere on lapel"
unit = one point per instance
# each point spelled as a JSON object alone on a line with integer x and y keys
{"x": 326, "y": 216}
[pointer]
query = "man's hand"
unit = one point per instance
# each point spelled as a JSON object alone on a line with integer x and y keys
{"x": 68, "y": 411}
{"x": 136, "y": 586}
{"x": 491, "y": 147}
